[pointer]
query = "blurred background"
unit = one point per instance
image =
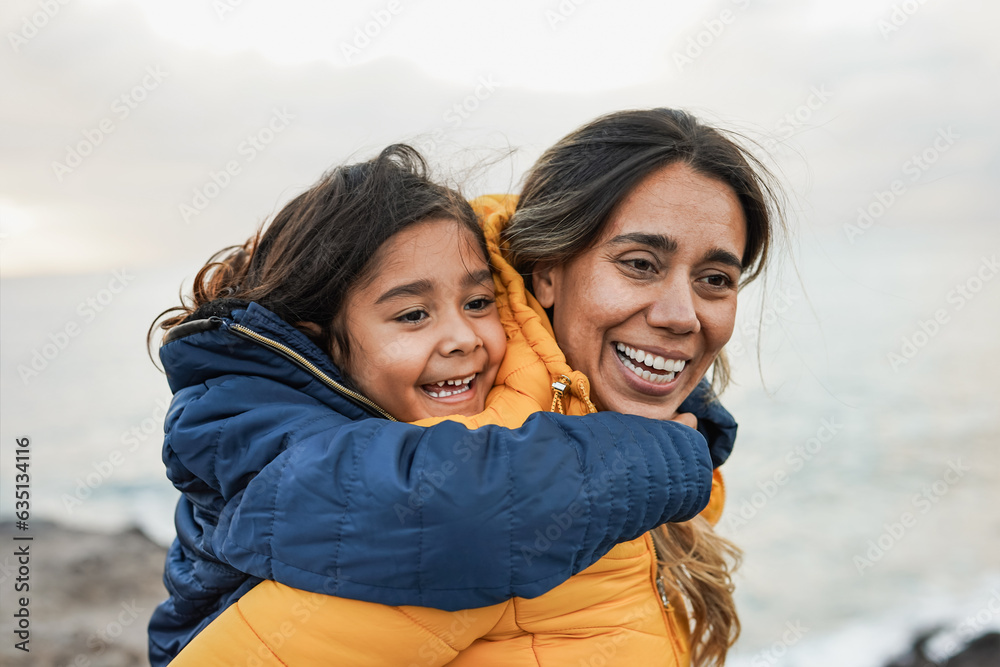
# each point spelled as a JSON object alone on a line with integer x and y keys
{"x": 139, "y": 137}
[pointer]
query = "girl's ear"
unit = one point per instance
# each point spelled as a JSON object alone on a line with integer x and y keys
{"x": 543, "y": 283}
{"x": 336, "y": 354}
{"x": 315, "y": 332}
{"x": 336, "y": 351}
{"x": 310, "y": 329}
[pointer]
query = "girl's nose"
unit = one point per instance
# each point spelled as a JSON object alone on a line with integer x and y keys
{"x": 458, "y": 337}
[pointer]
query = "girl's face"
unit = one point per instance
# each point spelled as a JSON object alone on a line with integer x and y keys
{"x": 647, "y": 308}
{"x": 425, "y": 335}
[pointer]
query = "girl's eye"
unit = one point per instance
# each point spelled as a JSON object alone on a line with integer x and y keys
{"x": 482, "y": 303}
{"x": 412, "y": 317}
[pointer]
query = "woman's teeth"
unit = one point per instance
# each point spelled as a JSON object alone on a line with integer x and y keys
{"x": 461, "y": 386}
{"x": 649, "y": 363}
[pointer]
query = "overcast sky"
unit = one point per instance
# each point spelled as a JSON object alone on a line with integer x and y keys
{"x": 145, "y": 135}
{"x": 117, "y": 113}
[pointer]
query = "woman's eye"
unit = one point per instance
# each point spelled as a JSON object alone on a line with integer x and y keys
{"x": 639, "y": 264}
{"x": 718, "y": 280}
{"x": 412, "y": 316}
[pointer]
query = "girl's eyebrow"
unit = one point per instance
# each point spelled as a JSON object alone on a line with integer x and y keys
{"x": 424, "y": 285}
{"x": 477, "y": 278}
{"x": 416, "y": 288}
{"x": 664, "y": 243}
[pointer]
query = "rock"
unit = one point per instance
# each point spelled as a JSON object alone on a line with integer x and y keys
{"x": 983, "y": 651}
{"x": 90, "y": 597}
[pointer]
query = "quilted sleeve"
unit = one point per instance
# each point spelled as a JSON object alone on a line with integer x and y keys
{"x": 454, "y": 518}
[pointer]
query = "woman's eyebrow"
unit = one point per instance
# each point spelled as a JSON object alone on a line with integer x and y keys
{"x": 724, "y": 257}
{"x": 416, "y": 288}
{"x": 664, "y": 243}
{"x": 655, "y": 241}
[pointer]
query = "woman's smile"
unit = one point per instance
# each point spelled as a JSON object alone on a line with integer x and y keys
{"x": 648, "y": 366}
{"x": 646, "y": 309}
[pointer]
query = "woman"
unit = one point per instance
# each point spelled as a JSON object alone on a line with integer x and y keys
{"x": 634, "y": 233}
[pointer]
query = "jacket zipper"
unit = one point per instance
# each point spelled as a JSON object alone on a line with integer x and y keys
{"x": 668, "y": 616}
{"x": 661, "y": 588}
{"x": 291, "y": 354}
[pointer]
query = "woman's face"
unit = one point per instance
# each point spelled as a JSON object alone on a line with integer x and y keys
{"x": 646, "y": 309}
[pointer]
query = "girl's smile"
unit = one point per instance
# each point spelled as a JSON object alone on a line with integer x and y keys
{"x": 448, "y": 388}
{"x": 425, "y": 336}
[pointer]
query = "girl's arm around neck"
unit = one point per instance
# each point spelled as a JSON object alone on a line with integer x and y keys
{"x": 455, "y": 518}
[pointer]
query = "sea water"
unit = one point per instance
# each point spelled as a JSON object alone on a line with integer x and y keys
{"x": 863, "y": 489}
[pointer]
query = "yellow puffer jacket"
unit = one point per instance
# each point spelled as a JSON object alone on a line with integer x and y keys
{"x": 611, "y": 613}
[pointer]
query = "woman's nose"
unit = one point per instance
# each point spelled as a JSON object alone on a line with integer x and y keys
{"x": 673, "y": 307}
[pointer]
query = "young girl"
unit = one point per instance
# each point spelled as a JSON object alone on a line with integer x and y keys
{"x": 369, "y": 299}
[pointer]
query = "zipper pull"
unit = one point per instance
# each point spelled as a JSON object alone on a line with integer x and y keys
{"x": 559, "y": 387}
{"x": 662, "y": 588}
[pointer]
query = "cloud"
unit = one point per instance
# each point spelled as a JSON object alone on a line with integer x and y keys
{"x": 200, "y": 103}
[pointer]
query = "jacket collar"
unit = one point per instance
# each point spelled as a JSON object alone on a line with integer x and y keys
{"x": 210, "y": 345}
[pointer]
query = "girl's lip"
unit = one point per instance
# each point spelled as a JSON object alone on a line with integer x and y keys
{"x": 646, "y": 386}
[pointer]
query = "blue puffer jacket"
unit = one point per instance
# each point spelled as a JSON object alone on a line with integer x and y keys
{"x": 288, "y": 475}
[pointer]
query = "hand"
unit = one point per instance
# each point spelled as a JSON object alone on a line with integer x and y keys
{"x": 686, "y": 418}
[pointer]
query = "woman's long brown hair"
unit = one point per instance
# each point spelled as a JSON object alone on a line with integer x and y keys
{"x": 568, "y": 197}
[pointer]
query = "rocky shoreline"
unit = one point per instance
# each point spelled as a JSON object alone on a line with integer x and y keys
{"x": 89, "y": 600}
{"x": 983, "y": 651}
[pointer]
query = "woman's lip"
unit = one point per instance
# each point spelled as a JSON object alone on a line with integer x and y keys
{"x": 656, "y": 351}
{"x": 645, "y": 386}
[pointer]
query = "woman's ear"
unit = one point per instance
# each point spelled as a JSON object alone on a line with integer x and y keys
{"x": 543, "y": 283}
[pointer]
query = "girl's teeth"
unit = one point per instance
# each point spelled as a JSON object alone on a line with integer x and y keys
{"x": 442, "y": 394}
{"x": 461, "y": 385}
{"x": 458, "y": 382}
